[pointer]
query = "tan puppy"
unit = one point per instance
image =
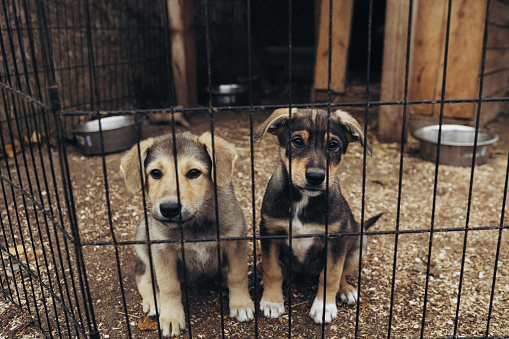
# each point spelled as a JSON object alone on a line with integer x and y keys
{"x": 189, "y": 209}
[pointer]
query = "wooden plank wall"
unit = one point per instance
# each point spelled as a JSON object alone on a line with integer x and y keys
{"x": 390, "y": 120}
{"x": 427, "y": 60}
{"x": 464, "y": 56}
{"x": 496, "y": 78}
{"x": 341, "y": 23}
{"x": 183, "y": 51}
{"x": 428, "y": 54}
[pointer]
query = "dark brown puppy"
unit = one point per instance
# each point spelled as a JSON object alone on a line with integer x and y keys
{"x": 309, "y": 207}
{"x": 197, "y": 213}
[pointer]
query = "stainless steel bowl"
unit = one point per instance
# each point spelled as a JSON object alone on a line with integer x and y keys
{"x": 456, "y": 144}
{"x": 228, "y": 95}
{"x": 119, "y": 133}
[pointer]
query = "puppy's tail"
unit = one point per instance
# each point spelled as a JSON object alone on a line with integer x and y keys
{"x": 368, "y": 223}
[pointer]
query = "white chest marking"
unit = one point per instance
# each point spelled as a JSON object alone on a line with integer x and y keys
{"x": 201, "y": 253}
{"x": 300, "y": 246}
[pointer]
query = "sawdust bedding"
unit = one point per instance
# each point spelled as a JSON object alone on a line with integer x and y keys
{"x": 382, "y": 265}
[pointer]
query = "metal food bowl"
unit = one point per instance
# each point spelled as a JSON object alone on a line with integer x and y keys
{"x": 228, "y": 95}
{"x": 119, "y": 133}
{"x": 456, "y": 144}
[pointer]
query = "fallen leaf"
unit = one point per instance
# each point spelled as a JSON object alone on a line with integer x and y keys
{"x": 20, "y": 249}
{"x": 422, "y": 267}
{"x": 377, "y": 181}
{"x": 146, "y": 323}
{"x": 52, "y": 138}
{"x": 498, "y": 152}
{"x": 9, "y": 150}
{"x": 36, "y": 138}
{"x": 31, "y": 255}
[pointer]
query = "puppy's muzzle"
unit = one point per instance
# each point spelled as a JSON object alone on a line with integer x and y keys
{"x": 170, "y": 210}
{"x": 167, "y": 210}
{"x": 315, "y": 177}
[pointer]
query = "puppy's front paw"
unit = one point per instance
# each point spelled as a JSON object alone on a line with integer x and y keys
{"x": 172, "y": 321}
{"x": 242, "y": 308}
{"x": 316, "y": 312}
{"x": 243, "y": 314}
{"x": 149, "y": 306}
{"x": 272, "y": 310}
{"x": 350, "y": 297}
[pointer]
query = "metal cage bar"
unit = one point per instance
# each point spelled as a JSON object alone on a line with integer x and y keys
{"x": 65, "y": 63}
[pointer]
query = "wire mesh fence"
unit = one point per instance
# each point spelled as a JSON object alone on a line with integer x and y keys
{"x": 435, "y": 266}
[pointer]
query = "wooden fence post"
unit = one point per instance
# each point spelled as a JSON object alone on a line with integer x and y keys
{"x": 183, "y": 51}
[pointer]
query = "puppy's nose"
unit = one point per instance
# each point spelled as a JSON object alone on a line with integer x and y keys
{"x": 315, "y": 178}
{"x": 170, "y": 210}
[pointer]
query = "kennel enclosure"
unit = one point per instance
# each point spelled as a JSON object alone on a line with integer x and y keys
{"x": 437, "y": 265}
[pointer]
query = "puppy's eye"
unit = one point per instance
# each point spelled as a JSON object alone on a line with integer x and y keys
{"x": 298, "y": 142}
{"x": 156, "y": 174}
{"x": 333, "y": 145}
{"x": 193, "y": 174}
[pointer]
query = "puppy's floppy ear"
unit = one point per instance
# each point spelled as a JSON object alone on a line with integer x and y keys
{"x": 273, "y": 123}
{"x": 130, "y": 165}
{"x": 225, "y": 157}
{"x": 353, "y": 128}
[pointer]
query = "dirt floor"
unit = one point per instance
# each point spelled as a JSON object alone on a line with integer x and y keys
{"x": 381, "y": 265}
